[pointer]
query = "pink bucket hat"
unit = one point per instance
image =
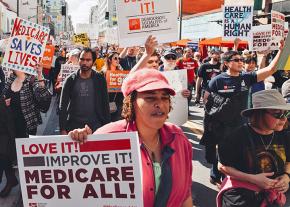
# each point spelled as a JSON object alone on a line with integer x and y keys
{"x": 145, "y": 80}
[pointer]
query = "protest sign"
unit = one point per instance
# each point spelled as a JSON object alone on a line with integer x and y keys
{"x": 81, "y": 39}
{"x": 68, "y": 69}
{"x": 284, "y": 60}
{"x": 26, "y": 46}
{"x": 115, "y": 80}
{"x": 237, "y": 22}
{"x": 56, "y": 171}
{"x": 48, "y": 56}
{"x": 278, "y": 22}
{"x": 262, "y": 38}
{"x": 139, "y": 19}
{"x": 178, "y": 80}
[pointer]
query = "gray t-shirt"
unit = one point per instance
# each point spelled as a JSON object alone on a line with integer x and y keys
{"x": 84, "y": 111}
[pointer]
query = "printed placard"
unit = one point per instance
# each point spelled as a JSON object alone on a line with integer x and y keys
{"x": 262, "y": 38}
{"x": 67, "y": 70}
{"x": 48, "y": 56}
{"x": 237, "y": 22}
{"x": 26, "y": 46}
{"x": 284, "y": 60}
{"x": 139, "y": 19}
{"x": 178, "y": 80}
{"x": 115, "y": 80}
{"x": 56, "y": 171}
{"x": 278, "y": 30}
{"x": 81, "y": 39}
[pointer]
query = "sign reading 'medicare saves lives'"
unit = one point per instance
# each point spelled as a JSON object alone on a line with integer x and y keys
{"x": 26, "y": 46}
{"x": 56, "y": 171}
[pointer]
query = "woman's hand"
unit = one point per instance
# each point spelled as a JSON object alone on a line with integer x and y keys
{"x": 80, "y": 135}
{"x": 263, "y": 181}
{"x": 8, "y": 101}
{"x": 150, "y": 45}
{"x": 185, "y": 93}
{"x": 283, "y": 183}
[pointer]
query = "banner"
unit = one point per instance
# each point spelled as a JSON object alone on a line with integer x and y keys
{"x": 26, "y": 46}
{"x": 278, "y": 22}
{"x": 81, "y": 39}
{"x": 284, "y": 60}
{"x": 139, "y": 19}
{"x": 262, "y": 38}
{"x": 56, "y": 171}
{"x": 237, "y": 22}
{"x": 115, "y": 80}
{"x": 178, "y": 80}
{"x": 67, "y": 70}
{"x": 48, "y": 56}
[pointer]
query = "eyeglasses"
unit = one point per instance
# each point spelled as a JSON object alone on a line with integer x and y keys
{"x": 279, "y": 115}
{"x": 116, "y": 58}
{"x": 238, "y": 60}
{"x": 170, "y": 57}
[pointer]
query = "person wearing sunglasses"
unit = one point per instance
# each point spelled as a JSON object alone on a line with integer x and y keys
{"x": 233, "y": 86}
{"x": 260, "y": 166}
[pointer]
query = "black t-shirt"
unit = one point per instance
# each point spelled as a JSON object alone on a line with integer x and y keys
{"x": 208, "y": 71}
{"x": 128, "y": 62}
{"x": 267, "y": 153}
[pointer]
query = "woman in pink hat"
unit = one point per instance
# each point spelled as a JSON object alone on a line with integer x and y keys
{"x": 165, "y": 151}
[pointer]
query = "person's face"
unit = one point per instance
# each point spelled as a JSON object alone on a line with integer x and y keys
{"x": 274, "y": 120}
{"x": 250, "y": 66}
{"x": 170, "y": 58}
{"x": 188, "y": 53}
{"x": 131, "y": 51}
{"x": 215, "y": 57}
{"x": 115, "y": 60}
{"x": 73, "y": 59}
{"x": 197, "y": 56}
{"x": 236, "y": 63}
{"x": 153, "y": 62}
{"x": 86, "y": 61}
{"x": 152, "y": 108}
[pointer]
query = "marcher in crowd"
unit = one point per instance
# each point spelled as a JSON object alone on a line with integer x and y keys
{"x": 84, "y": 97}
{"x": 73, "y": 57}
{"x": 61, "y": 59}
{"x": 165, "y": 151}
{"x": 234, "y": 85}
{"x": 128, "y": 58}
{"x": 100, "y": 62}
{"x": 197, "y": 58}
{"x": 258, "y": 170}
{"x": 115, "y": 98}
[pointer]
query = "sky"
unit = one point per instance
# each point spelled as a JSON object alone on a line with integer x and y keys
{"x": 80, "y": 10}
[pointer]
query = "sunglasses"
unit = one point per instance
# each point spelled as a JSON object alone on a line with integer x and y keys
{"x": 170, "y": 57}
{"x": 238, "y": 60}
{"x": 116, "y": 58}
{"x": 280, "y": 115}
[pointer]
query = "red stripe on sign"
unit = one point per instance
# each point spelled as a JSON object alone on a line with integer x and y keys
{"x": 110, "y": 145}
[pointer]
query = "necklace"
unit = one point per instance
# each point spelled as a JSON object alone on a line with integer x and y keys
{"x": 150, "y": 149}
{"x": 267, "y": 147}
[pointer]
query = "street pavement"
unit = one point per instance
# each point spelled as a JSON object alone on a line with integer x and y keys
{"x": 204, "y": 193}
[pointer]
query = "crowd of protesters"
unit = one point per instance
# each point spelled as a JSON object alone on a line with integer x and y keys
{"x": 227, "y": 84}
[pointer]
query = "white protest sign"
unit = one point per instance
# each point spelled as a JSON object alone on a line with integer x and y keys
{"x": 278, "y": 23}
{"x": 139, "y": 19}
{"x": 262, "y": 38}
{"x": 56, "y": 171}
{"x": 178, "y": 80}
{"x": 26, "y": 46}
{"x": 237, "y": 22}
{"x": 67, "y": 70}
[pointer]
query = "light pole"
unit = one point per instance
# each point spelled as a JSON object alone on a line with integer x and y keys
{"x": 180, "y": 19}
{"x": 17, "y": 8}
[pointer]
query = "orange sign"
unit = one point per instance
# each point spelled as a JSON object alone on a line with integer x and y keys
{"x": 115, "y": 80}
{"x": 48, "y": 56}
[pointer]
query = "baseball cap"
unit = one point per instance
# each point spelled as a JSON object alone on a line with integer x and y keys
{"x": 145, "y": 80}
{"x": 169, "y": 52}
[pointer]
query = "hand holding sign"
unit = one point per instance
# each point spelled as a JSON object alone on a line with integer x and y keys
{"x": 80, "y": 135}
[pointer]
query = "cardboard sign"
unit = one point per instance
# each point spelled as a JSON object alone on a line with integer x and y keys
{"x": 278, "y": 22}
{"x": 26, "y": 46}
{"x": 178, "y": 80}
{"x": 67, "y": 70}
{"x": 48, "y": 56}
{"x": 139, "y": 19}
{"x": 81, "y": 39}
{"x": 56, "y": 171}
{"x": 237, "y": 22}
{"x": 115, "y": 80}
{"x": 284, "y": 60}
{"x": 262, "y": 38}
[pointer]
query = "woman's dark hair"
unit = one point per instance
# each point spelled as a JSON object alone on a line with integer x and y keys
{"x": 128, "y": 111}
{"x": 227, "y": 56}
{"x": 108, "y": 61}
{"x": 87, "y": 49}
{"x": 251, "y": 59}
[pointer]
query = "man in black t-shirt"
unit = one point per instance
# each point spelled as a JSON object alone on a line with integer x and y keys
{"x": 129, "y": 60}
{"x": 206, "y": 72}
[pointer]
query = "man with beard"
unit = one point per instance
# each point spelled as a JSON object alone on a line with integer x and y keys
{"x": 84, "y": 97}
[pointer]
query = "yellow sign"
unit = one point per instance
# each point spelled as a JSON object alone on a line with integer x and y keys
{"x": 81, "y": 39}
